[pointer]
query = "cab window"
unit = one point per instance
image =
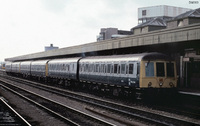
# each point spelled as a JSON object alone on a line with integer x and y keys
{"x": 170, "y": 69}
{"x": 149, "y": 69}
{"x": 160, "y": 69}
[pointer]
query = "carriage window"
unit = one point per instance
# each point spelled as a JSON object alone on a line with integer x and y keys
{"x": 67, "y": 67}
{"x": 126, "y": 68}
{"x": 103, "y": 68}
{"x": 149, "y": 69}
{"x": 123, "y": 68}
{"x": 97, "y": 68}
{"x": 64, "y": 68}
{"x": 79, "y": 67}
{"x": 57, "y": 66}
{"x": 86, "y": 68}
{"x": 82, "y": 67}
{"x": 112, "y": 67}
{"x": 94, "y": 67}
{"x": 119, "y": 70}
{"x": 160, "y": 69}
{"x": 130, "y": 69}
{"x": 73, "y": 67}
{"x": 90, "y": 67}
{"x": 115, "y": 68}
{"x": 170, "y": 69}
{"x": 108, "y": 68}
{"x": 60, "y": 67}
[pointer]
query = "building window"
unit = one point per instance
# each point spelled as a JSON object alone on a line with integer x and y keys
{"x": 144, "y": 12}
{"x": 180, "y": 23}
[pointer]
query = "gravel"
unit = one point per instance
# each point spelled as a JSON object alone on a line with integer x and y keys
{"x": 33, "y": 114}
{"x": 36, "y": 116}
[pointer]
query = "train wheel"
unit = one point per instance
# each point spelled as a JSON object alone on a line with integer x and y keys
{"x": 116, "y": 91}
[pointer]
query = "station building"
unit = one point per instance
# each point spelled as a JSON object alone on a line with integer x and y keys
{"x": 51, "y": 47}
{"x": 189, "y": 64}
{"x": 148, "y": 13}
{"x": 109, "y": 33}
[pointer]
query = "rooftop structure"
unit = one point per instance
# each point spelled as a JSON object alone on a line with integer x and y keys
{"x": 147, "y": 13}
{"x": 161, "y": 17}
{"x": 187, "y": 18}
{"x": 51, "y": 47}
{"x": 156, "y": 23}
{"x": 108, "y": 33}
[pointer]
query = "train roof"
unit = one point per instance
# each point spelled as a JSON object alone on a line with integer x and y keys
{"x": 129, "y": 57}
{"x": 39, "y": 62}
{"x": 64, "y": 60}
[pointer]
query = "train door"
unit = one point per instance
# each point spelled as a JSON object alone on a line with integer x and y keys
{"x": 116, "y": 71}
{"x": 96, "y": 70}
{"x": 123, "y": 77}
{"x": 131, "y": 71}
{"x": 108, "y": 71}
{"x": 103, "y": 72}
{"x": 192, "y": 74}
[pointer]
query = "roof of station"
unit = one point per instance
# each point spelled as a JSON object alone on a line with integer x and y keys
{"x": 172, "y": 35}
{"x": 193, "y": 13}
{"x": 158, "y": 21}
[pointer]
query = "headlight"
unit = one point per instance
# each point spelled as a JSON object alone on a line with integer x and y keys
{"x": 171, "y": 84}
{"x": 149, "y": 84}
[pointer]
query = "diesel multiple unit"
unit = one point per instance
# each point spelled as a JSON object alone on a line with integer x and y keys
{"x": 118, "y": 73}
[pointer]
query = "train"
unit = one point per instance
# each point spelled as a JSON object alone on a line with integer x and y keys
{"x": 2, "y": 65}
{"x": 118, "y": 74}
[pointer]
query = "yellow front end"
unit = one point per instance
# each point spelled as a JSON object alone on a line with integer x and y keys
{"x": 158, "y": 74}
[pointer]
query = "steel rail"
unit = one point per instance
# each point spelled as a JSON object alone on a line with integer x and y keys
{"x": 127, "y": 110}
{"x": 77, "y": 111}
{"x": 19, "y": 117}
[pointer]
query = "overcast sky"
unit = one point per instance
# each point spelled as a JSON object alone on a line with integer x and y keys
{"x": 27, "y": 26}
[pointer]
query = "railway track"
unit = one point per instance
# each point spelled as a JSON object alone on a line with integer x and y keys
{"x": 9, "y": 117}
{"x": 119, "y": 109}
{"x": 184, "y": 106}
{"x": 70, "y": 115}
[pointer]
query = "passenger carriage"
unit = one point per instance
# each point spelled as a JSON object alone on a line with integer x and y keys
{"x": 66, "y": 68}
{"x": 39, "y": 69}
{"x": 15, "y": 68}
{"x": 136, "y": 71}
{"x": 25, "y": 68}
{"x": 2, "y": 66}
{"x": 8, "y": 66}
{"x": 118, "y": 70}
